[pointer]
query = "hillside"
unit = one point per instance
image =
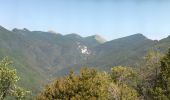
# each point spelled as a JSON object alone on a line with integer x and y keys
{"x": 41, "y": 56}
{"x": 37, "y": 55}
{"x": 17, "y": 49}
{"x": 122, "y": 51}
{"x": 127, "y": 51}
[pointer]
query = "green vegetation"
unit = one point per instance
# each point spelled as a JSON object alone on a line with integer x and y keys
{"x": 90, "y": 84}
{"x": 8, "y": 82}
{"x": 161, "y": 88}
{"x": 124, "y": 79}
{"x": 42, "y": 56}
{"x": 150, "y": 82}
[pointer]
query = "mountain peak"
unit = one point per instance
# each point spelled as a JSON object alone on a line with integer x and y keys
{"x": 2, "y": 28}
{"x": 17, "y": 30}
{"x": 168, "y": 36}
{"x": 73, "y": 35}
{"x": 52, "y": 31}
{"x": 139, "y": 35}
{"x": 97, "y": 37}
{"x": 25, "y": 29}
{"x": 135, "y": 36}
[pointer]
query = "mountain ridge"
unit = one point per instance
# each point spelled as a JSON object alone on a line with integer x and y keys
{"x": 41, "y": 56}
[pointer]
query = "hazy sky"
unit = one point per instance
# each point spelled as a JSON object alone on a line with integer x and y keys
{"x": 108, "y": 18}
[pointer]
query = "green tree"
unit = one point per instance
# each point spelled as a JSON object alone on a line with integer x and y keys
{"x": 123, "y": 75}
{"x": 123, "y": 85}
{"x": 161, "y": 91}
{"x": 148, "y": 73}
{"x": 8, "y": 81}
{"x": 88, "y": 85}
{"x": 157, "y": 82}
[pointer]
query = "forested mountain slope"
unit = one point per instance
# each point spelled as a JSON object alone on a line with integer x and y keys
{"x": 41, "y": 56}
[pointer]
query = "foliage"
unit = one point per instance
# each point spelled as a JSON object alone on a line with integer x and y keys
{"x": 122, "y": 74}
{"x": 151, "y": 68}
{"x": 36, "y": 53}
{"x": 89, "y": 84}
{"x": 162, "y": 87}
{"x": 122, "y": 87}
{"x": 150, "y": 82}
{"x": 122, "y": 92}
{"x": 148, "y": 73}
{"x": 8, "y": 81}
{"x": 154, "y": 77}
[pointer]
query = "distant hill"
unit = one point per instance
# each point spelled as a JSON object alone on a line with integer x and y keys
{"x": 122, "y": 51}
{"x": 128, "y": 51}
{"x": 37, "y": 55}
{"x": 41, "y": 56}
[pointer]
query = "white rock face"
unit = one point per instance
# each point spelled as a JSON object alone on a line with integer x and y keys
{"x": 83, "y": 49}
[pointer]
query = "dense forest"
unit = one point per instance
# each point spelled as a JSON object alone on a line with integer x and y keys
{"x": 149, "y": 81}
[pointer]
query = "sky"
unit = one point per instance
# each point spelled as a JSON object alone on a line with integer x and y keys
{"x": 109, "y": 18}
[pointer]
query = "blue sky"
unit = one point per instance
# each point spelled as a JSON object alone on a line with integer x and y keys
{"x": 109, "y": 18}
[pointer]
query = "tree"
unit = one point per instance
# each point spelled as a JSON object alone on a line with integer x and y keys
{"x": 151, "y": 68}
{"x": 89, "y": 84}
{"x": 122, "y": 87}
{"x": 148, "y": 73}
{"x": 156, "y": 82}
{"x": 162, "y": 87}
{"x": 123, "y": 75}
{"x": 8, "y": 81}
